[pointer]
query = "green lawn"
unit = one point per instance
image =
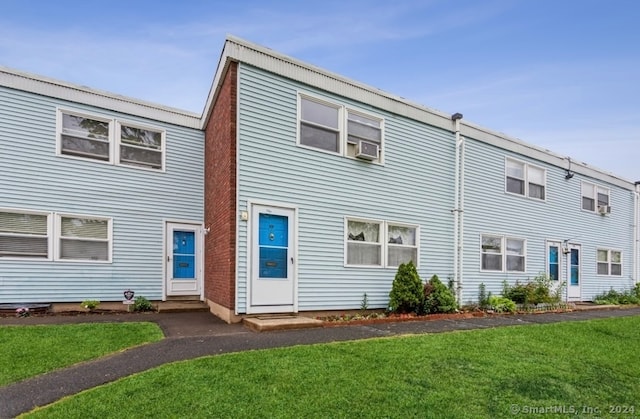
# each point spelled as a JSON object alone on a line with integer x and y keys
{"x": 32, "y": 350}
{"x": 468, "y": 374}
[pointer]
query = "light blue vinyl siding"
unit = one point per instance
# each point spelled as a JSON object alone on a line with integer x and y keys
{"x": 414, "y": 186}
{"x": 32, "y": 177}
{"x": 491, "y": 210}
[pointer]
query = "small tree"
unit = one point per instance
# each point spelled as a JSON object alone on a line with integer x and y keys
{"x": 438, "y": 298}
{"x": 406, "y": 292}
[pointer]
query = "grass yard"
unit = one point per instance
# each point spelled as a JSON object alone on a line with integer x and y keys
{"x": 589, "y": 367}
{"x": 31, "y": 350}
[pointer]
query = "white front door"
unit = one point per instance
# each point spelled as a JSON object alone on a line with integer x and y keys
{"x": 183, "y": 270}
{"x": 574, "y": 272}
{"x": 272, "y": 287}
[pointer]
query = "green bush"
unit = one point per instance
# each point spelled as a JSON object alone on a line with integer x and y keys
{"x": 142, "y": 304}
{"x": 502, "y": 304}
{"x": 406, "y": 292}
{"x": 438, "y": 298}
{"x": 540, "y": 290}
{"x": 483, "y": 296}
{"x": 619, "y": 297}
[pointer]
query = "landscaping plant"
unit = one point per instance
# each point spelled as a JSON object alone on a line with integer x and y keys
{"x": 406, "y": 294}
{"x": 501, "y": 304}
{"x": 438, "y": 298}
{"x": 142, "y": 304}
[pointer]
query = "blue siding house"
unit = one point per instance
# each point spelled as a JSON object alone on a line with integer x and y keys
{"x": 296, "y": 190}
{"x": 93, "y": 188}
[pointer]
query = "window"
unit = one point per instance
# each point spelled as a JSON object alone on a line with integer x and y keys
{"x": 319, "y": 125}
{"x": 24, "y": 234}
{"x": 525, "y": 179}
{"x": 380, "y": 243}
{"x": 592, "y": 195}
{"x": 337, "y": 129}
{"x": 141, "y": 147}
{"x": 500, "y": 253}
{"x": 609, "y": 262}
{"x": 84, "y": 238}
{"x": 96, "y": 138}
{"x": 401, "y": 244}
{"x": 85, "y": 137}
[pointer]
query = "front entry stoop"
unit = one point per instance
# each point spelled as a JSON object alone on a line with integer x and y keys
{"x": 182, "y": 306}
{"x": 266, "y": 323}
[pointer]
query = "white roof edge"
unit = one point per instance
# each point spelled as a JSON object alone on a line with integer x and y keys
{"x": 237, "y": 49}
{"x": 80, "y": 94}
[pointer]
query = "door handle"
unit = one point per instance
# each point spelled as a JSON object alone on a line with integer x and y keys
{"x": 291, "y": 259}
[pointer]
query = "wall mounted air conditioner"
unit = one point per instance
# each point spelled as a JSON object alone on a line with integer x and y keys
{"x": 604, "y": 209}
{"x": 367, "y": 150}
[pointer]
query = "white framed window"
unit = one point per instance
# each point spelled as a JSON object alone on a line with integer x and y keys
{"x": 85, "y": 136}
{"x": 525, "y": 179}
{"x": 94, "y": 137}
{"x": 376, "y": 243}
{"x": 502, "y": 254}
{"x": 83, "y": 238}
{"x": 594, "y": 196}
{"x": 402, "y": 244}
{"x": 141, "y": 146}
{"x": 25, "y": 234}
{"x": 609, "y": 262}
{"x": 320, "y": 125}
{"x": 339, "y": 129}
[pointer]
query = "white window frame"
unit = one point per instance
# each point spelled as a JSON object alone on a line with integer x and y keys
{"x": 49, "y": 235}
{"x": 59, "y": 237}
{"x": 504, "y": 254}
{"x": 59, "y": 133}
{"x": 594, "y": 189}
{"x": 383, "y": 241}
{"x": 527, "y": 167}
{"x": 114, "y": 139}
{"x": 119, "y": 144}
{"x": 609, "y": 262}
{"x": 346, "y": 148}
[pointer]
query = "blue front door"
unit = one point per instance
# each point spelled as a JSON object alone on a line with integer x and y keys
{"x": 183, "y": 259}
{"x": 272, "y": 280}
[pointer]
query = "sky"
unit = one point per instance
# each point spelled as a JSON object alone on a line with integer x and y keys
{"x": 560, "y": 74}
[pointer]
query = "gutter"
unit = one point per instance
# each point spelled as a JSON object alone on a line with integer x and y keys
{"x": 457, "y": 211}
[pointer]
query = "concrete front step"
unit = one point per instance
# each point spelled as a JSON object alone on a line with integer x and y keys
{"x": 181, "y": 306}
{"x": 280, "y": 322}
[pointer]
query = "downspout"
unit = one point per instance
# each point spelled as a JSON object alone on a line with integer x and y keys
{"x": 461, "y": 222}
{"x": 636, "y": 233}
{"x": 456, "y": 117}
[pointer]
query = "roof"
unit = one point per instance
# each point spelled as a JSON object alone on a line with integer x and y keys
{"x": 85, "y": 95}
{"x": 236, "y": 49}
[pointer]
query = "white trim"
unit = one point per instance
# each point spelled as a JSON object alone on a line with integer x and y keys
{"x": 198, "y": 228}
{"x": 503, "y": 253}
{"x": 131, "y": 124}
{"x": 58, "y": 236}
{"x": 49, "y": 236}
{"x": 595, "y": 187}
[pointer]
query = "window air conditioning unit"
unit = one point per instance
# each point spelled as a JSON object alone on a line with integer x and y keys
{"x": 604, "y": 209}
{"x": 367, "y": 150}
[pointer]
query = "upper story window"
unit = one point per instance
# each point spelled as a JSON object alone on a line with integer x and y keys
{"x": 338, "y": 129}
{"x": 500, "y": 253}
{"x": 380, "y": 243}
{"x": 24, "y": 234}
{"x": 595, "y": 198}
{"x": 609, "y": 262}
{"x": 110, "y": 140}
{"x": 525, "y": 179}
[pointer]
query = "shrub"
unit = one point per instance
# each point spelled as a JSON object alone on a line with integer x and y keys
{"x": 90, "y": 304}
{"x": 617, "y": 297}
{"x": 540, "y": 290}
{"x": 438, "y": 298}
{"x": 406, "y": 292}
{"x": 483, "y": 296}
{"x": 502, "y": 304}
{"x": 142, "y": 304}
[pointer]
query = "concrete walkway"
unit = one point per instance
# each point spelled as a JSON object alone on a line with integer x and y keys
{"x": 192, "y": 335}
